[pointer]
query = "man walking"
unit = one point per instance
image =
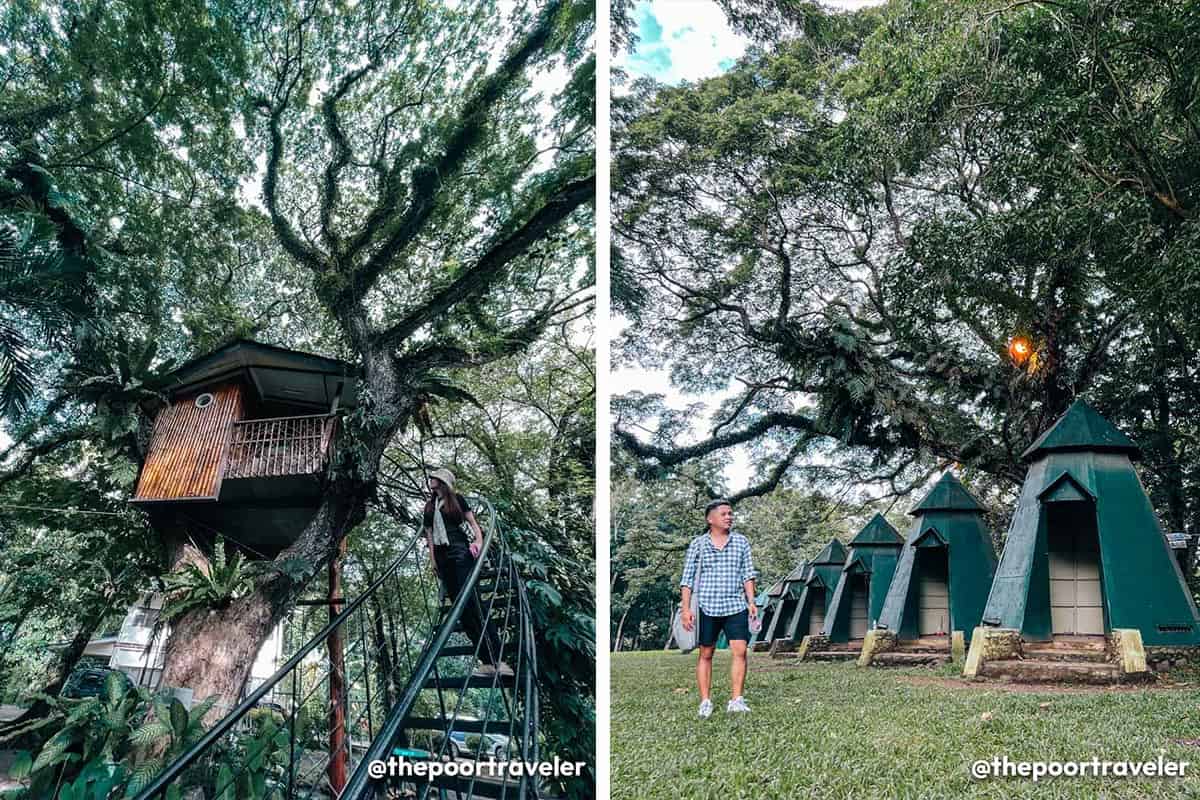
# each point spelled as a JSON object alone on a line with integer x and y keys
{"x": 725, "y": 599}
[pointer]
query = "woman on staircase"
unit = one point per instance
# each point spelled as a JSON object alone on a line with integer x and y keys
{"x": 455, "y": 541}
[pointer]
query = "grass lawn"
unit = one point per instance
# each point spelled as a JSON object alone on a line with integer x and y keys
{"x": 838, "y": 731}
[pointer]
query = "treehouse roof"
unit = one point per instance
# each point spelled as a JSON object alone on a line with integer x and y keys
{"x": 277, "y": 373}
{"x": 1082, "y": 428}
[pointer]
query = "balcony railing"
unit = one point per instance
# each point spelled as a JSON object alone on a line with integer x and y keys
{"x": 264, "y": 448}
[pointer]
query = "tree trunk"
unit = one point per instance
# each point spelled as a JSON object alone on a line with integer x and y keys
{"x": 211, "y": 651}
{"x": 621, "y": 627}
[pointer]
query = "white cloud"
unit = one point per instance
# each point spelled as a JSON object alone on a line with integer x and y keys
{"x": 682, "y": 40}
{"x": 688, "y": 40}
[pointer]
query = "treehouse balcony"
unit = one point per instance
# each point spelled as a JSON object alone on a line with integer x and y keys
{"x": 269, "y": 460}
{"x": 272, "y": 448}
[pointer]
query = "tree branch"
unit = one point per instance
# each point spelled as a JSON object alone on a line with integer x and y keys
{"x": 491, "y": 265}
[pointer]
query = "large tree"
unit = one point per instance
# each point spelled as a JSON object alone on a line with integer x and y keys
{"x": 438, "y": 203}
{"x": 912, "y": 235}
{"x": 403, "y": 184}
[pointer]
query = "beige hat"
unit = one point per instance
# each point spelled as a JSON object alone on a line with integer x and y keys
{"x": 445, "y": 476}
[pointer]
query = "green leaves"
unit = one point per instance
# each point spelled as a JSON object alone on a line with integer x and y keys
{"x": 213, "y": 585}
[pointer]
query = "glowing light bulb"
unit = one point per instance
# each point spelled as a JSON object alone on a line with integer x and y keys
{"x": 1020, "y": 349}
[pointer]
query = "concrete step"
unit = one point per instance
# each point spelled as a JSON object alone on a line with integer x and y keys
{"x": 831, "y": 655}
{"x": 899, "y": 658}
{"x": 1087, "y": 672}
{"x": 1041, "y": 653}
{"x": 1099, "y": 643}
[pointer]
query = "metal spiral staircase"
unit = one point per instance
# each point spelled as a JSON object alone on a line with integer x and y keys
{"x": 391, "y": 674}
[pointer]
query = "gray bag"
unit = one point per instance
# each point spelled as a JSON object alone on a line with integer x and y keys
{"x": 686, "y": 640}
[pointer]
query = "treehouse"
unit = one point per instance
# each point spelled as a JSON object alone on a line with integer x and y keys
{"x": 243, "y": 443}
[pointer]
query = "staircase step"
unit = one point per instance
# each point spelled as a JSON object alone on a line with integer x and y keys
{"x": 907, "y": 647}
{"x": 1099, "y": 643}
{"x": 457, "y": 650}
{"x": 831, "y": 655}
{"x": 460, "y": 650}
{"x": 472, "y": 682}
{"x": 1039, "y": 653}
{"x": 762, "y": 647}
{"x": 500, "y": 726}
{"x": 1051, "y": 671}
{"x": 894, "y": 658}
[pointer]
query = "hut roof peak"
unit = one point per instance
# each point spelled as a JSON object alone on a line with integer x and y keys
{"x": 877, "y": 532}
{"x": 1082, "y": 427}
{"x": 834, "y": 553}
{"x": 948, "y": 494}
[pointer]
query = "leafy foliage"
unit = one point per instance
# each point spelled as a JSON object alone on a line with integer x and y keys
{"x": 851, "y": 224}
{"x": 211, "y": 585}
{"x": 109, "y": 743}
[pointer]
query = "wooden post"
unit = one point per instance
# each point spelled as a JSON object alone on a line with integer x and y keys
{"x": 338, "y": 751}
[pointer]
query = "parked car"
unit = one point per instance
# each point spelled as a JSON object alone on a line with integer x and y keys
{"x": 466, "y": 745}
{"x": 90, "y": 682}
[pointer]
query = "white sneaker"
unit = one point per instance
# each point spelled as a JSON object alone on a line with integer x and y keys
{"x": 705, "y": 709}
{"x": 737, "y": 706}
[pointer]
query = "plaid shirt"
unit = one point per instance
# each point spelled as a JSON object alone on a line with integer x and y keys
{"x": 722, "y": 573}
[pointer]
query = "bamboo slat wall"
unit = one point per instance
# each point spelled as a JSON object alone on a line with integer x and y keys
{"x": 188, "y": 445}
{"x": 263, "y": 448}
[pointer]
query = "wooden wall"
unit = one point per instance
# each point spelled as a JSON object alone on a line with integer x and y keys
{"x": 189, "y": 445}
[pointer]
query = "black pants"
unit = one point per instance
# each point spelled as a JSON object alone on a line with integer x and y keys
{"x": 454, "y": 565}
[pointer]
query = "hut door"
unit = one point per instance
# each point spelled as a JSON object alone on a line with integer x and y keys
{"x": 858, "y": 609}
{"x": 1076, "y": 606}
{"x": 934, "y": 598}
{"x": 816, "y": 617}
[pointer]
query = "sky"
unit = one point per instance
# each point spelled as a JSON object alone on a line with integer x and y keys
{"x": 678, "y": 41}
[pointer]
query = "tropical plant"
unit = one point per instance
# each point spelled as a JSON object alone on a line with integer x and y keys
{"x": 43, "y": 291}
{"x": 253, "y": 768}
{"x": 118, "y": 740}
{"x": 211, "y": 585}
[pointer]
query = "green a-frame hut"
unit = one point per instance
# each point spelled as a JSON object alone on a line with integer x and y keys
{"x": 768, "y": 604}
{"x": 1085, "y": 553}
{"x": 945, "y": 568}
{"x": 808, "y": 616}
{"x": 862, "y": 587}
{"x": 783, "y": 597}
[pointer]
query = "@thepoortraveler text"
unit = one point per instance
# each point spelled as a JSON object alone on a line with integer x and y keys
{"x": 399, "y": 767}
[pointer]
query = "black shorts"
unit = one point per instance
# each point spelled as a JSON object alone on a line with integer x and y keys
{"x": 736, "y": 627}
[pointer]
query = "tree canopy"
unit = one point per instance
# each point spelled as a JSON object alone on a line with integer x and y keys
{"x": 911, "y": 235}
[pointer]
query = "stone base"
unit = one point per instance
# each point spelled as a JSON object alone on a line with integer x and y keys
{"x": 991, "y": 644}
{"x": 812, "y": 643}
{"x": 1052, "y": 672}
{"x": 1161, "y": 658}
{"x": 781, "y": 646}
{"x": 877, "y": 641}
